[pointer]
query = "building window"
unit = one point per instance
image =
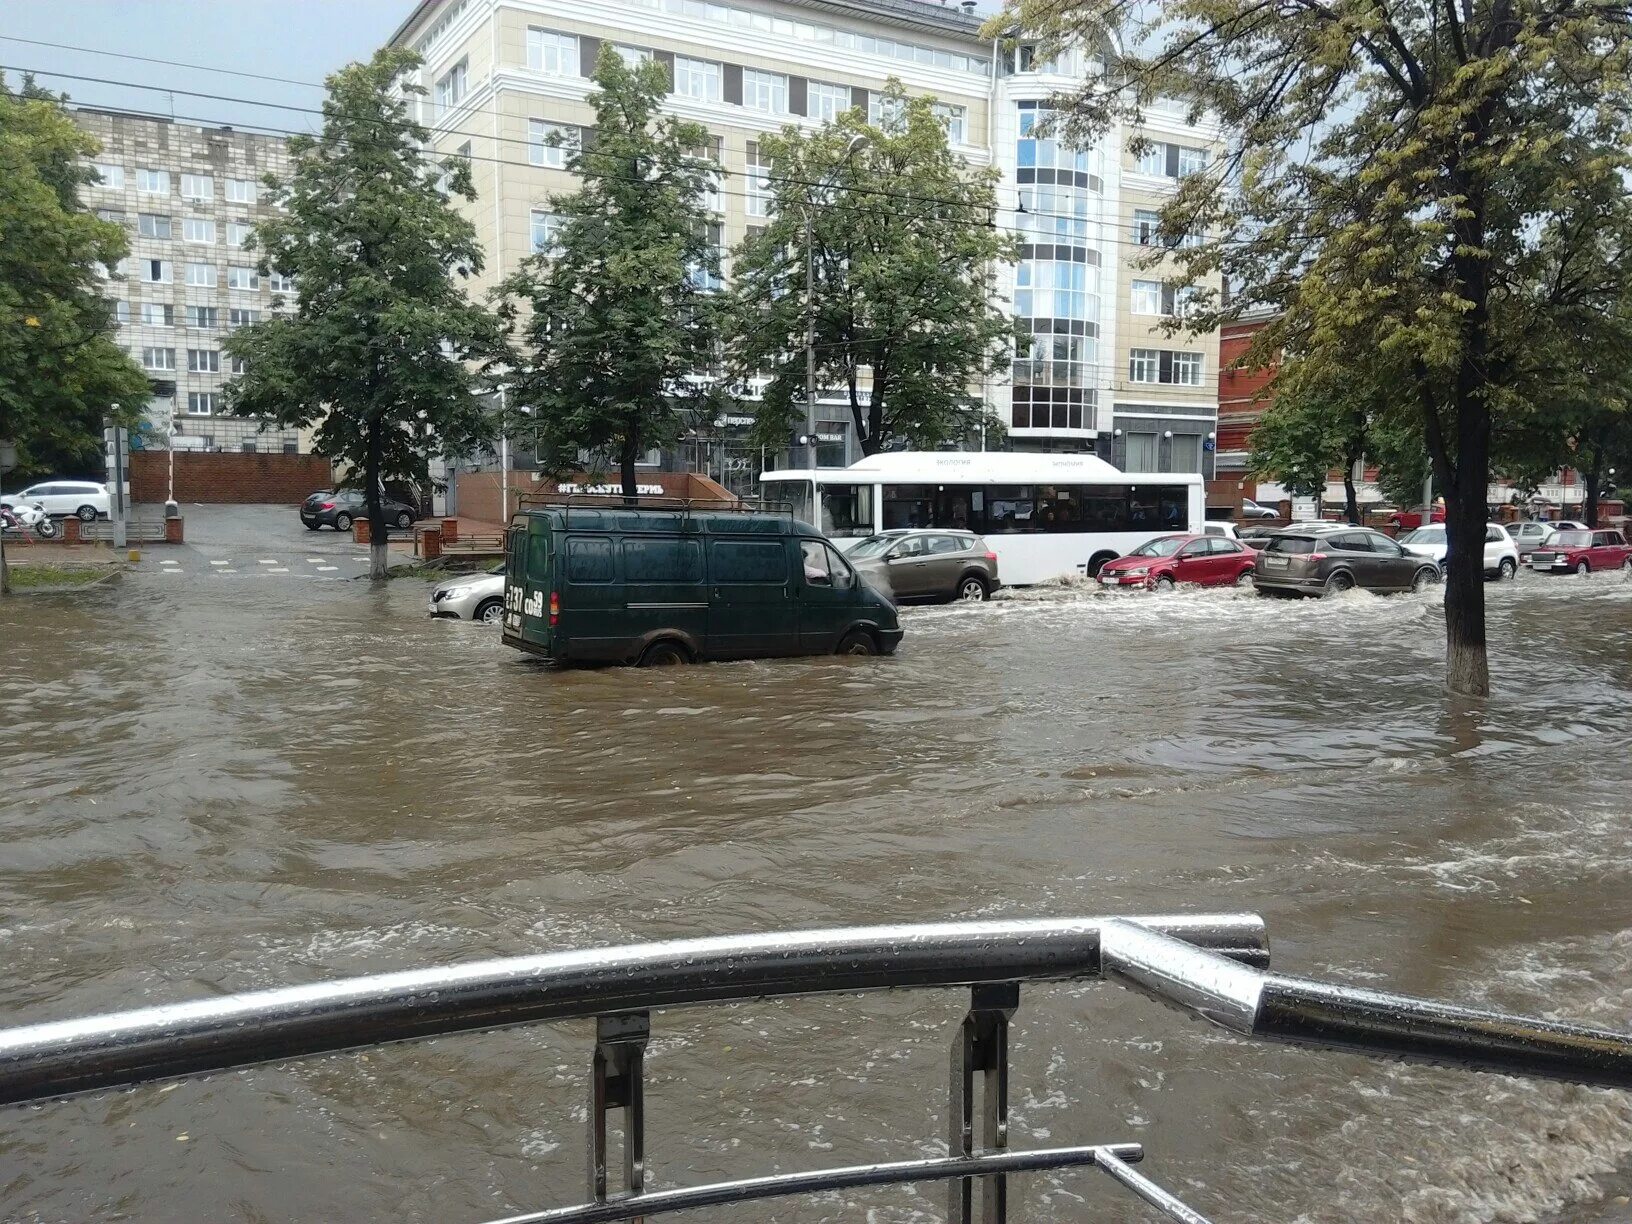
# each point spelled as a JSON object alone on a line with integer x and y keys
{"x": 158, "y": 358}
{"x": 279, "y": 283}
{"x": 152, "y": 225}
{"x": 546, "y": 231}
{"x": 695, "y": 78}
{"x": 551, "y": 144}
{"x": 237, "y": 316}
{"x": 197, "y": 229}
{"x": 556, "y": 54}
{"x": 1147, "y": 298}
{"x": 1141, "y": 455}
{"x": 450, "y": 88}
{"x": 1186, "y": 369}
{"x": 201, "y": 276}
{"x": 110, "y": 214}
{"x": 247, "y": 446}
{"x": 157, "y": 271}
{"x": 1178, "y": 369}
{"x": 158, "y": 314}
{"x": 240, "y": 365}
{"x": 203, "y": 316}
{"x": 240, "y": 191}
{"x": 1146, "y": 225}
{"x": 112, "y": 176}
{"x": 120, "y": 268}
{"x": 200, "y": 403}
{"x": 713, "y": 151}
{"x": 703, "y": 278}
{"x": 153, "y": 182}
{"x": 825, "y": 103}
{"x": 1185, "y": 455}
{"x": 1143, "y": 365}
{"x": 197, "y": 187}
{"x": 758, "y": 197}
{"x": 1171, "y": 160}
{"x": 632, "y": 57}
{"x": 239, "y": 277}
{"x": 238, "y": 233}
{"x": 955, "y": 119}
{"x": 1056, "y": 289}
{"x": 765, "y": 91}
{"x": 886, "y": 112}
{"x": 121, "y": 311}
{"x": 203, "y": 361}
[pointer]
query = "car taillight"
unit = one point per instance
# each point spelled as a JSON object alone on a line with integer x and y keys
{"x": 326, "y": 506}
{"x": 992, "y": 557}
{"x": 555, "y": 607}
{"x": 1315, "y": 557}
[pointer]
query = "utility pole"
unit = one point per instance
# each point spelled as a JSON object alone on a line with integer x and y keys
{"x": 115, "y": 436}
{"x": 171, "y": 509}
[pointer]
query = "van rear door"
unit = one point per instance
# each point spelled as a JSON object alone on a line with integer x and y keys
{"x": 527, "y": 585}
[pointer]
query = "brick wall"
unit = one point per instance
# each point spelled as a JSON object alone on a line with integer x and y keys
{"x": 479, "y": 493}
{"x": 227, "y": 477}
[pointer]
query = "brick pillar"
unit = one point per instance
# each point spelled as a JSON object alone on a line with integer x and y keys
{"x": 71, "y": 530}
{"x": 431, "y": 543}
{"x": 172, "y": 530}
{"x": 450, "y": 531}
{"x": 360, "y": 531}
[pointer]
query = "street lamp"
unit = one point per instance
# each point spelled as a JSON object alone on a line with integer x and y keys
{"x": 856, "y": 141}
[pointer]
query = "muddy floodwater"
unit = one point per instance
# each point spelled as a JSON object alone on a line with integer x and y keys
{"x": 216, "y": 781}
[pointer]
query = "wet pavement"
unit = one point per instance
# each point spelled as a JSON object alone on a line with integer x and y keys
{"x": 243, "y": 774}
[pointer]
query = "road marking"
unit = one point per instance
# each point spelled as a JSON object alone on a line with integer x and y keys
{"x": 267, "y": 561}
{"x": 226, "y": 571}
{"x": 315, "y": 560}
{"x": 223, "y": 563}
{"x": 278, "y": 570}
{"x": 168, "y": 562}
{"x": 327, "y": 569}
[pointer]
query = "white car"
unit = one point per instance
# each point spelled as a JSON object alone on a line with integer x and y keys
{"x": 60, "y": 498}
{"x": 1501, "y": 558}
{"x": 1531, "y": 536}
{"x": 1227, "y": 530}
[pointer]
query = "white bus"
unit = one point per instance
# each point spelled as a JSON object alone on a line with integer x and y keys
{"x": 1045, "y": 516}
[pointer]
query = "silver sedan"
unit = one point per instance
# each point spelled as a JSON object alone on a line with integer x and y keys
{"x": 478, "y": 597}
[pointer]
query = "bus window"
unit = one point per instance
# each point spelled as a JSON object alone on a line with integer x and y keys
{"x": 1143, "y": 511}
{"x": 847, "y": 510}
{"x": 909, "y": 506}
{"x": 1009, "y": 508}
{"x": 1175, "y": 508}
{"x": 1104, "y": 510}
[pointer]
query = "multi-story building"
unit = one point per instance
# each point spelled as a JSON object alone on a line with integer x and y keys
{"x": 506, "y": 85}
{"x": 190, "y": 197}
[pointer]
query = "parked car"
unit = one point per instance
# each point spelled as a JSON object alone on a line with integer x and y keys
{"x": 1530, "y": 536}
{"x": 1163, "y": 563}
{"x": 1252, "y": 510}
{"x": 1257, "y": 535}
{"x": 658, "y": 586}
{"x": 1320, "y": 559}
{"x": 1501, "y": 555}
{"x": 340, "y": 508}
{"x": 1581, "y": 552}
{"x": 85, "y": 499}
{"x": 1220, "y": 528}
{"x": 927, "y": 564}
{"x": 477, "y": 597}
{"x": 1405, "y": 519}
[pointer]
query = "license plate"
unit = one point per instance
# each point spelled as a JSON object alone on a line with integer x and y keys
{"x": 1274, "y": 562}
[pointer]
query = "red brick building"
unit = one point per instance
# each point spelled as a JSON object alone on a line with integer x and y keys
{"x": 1241, "y": 402}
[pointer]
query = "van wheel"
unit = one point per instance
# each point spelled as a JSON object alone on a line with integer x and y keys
{"x": 664, "y": 654}
{"x": 972, "y": 587}
{"x": 857, "y": 642}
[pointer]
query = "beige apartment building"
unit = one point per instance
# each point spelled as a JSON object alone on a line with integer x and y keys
{"x": 507, "y": 83}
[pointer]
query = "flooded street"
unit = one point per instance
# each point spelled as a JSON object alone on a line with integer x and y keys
{"x": 221, "y": 781}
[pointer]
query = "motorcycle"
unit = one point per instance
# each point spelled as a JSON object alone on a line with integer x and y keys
{"x": 23, "y": 519}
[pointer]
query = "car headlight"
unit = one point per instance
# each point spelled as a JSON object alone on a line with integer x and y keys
{"x": 1137, "y": 573}
{"x": 458, "y": 592}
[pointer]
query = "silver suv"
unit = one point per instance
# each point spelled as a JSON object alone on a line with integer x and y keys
{"x": 928, "y": 563}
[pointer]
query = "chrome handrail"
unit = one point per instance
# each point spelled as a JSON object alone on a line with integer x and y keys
{"x": 1212, "y": 965}
{"x": 61, "y": 1057}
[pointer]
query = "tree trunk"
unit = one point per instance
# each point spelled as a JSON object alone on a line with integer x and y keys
{"x": 5, "y": 570}
{"x": 378, "y": 542}
{"x": 1594, "y": 488}
{"x": 1467, "y": 667}
{"x": 628, "y": 453}
{"x": 1351, "y": 499}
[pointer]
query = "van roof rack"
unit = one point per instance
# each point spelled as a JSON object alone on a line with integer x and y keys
{"x": 685, "y": 506}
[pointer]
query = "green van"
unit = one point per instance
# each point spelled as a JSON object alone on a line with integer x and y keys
{"x": 654, "y": 585}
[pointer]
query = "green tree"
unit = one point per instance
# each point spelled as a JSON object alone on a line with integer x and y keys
{"x": 1399, "y": 179}
{"x": 1307, "y": 433}
{"x": 377, "y": 353}
{"x": 905, "y": 252}
{"x": 61, "y": 374}
{"x": 621, "y": 332}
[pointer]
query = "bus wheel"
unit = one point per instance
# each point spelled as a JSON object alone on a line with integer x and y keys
{"x": 664, "y": 654}
{"x": 857, "y": 642}
{"x": 1098, "y": 563}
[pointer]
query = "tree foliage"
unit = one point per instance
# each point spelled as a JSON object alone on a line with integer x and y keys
{"x": 61, "y": 373}
{"x": 906, "y": 256}
{"x": 1433, "y": 184}
{"x": 377, "y": 351}
{"x": 622, "y": 326}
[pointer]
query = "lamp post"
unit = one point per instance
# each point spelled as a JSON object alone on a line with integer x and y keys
{"x": 171, "y": 509}
{"x": 856, "y": 142}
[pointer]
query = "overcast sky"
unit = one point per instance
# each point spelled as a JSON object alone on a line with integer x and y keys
{"x": 297, "y": 40}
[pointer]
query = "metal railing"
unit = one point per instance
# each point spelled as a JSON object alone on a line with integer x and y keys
{"x": 1210, "y": 965}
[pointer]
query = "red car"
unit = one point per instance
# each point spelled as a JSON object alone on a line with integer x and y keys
{"x": 1406, "y": 519}
{"x": 1163, "y": 563}
{"x": 1582, "y": 552}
